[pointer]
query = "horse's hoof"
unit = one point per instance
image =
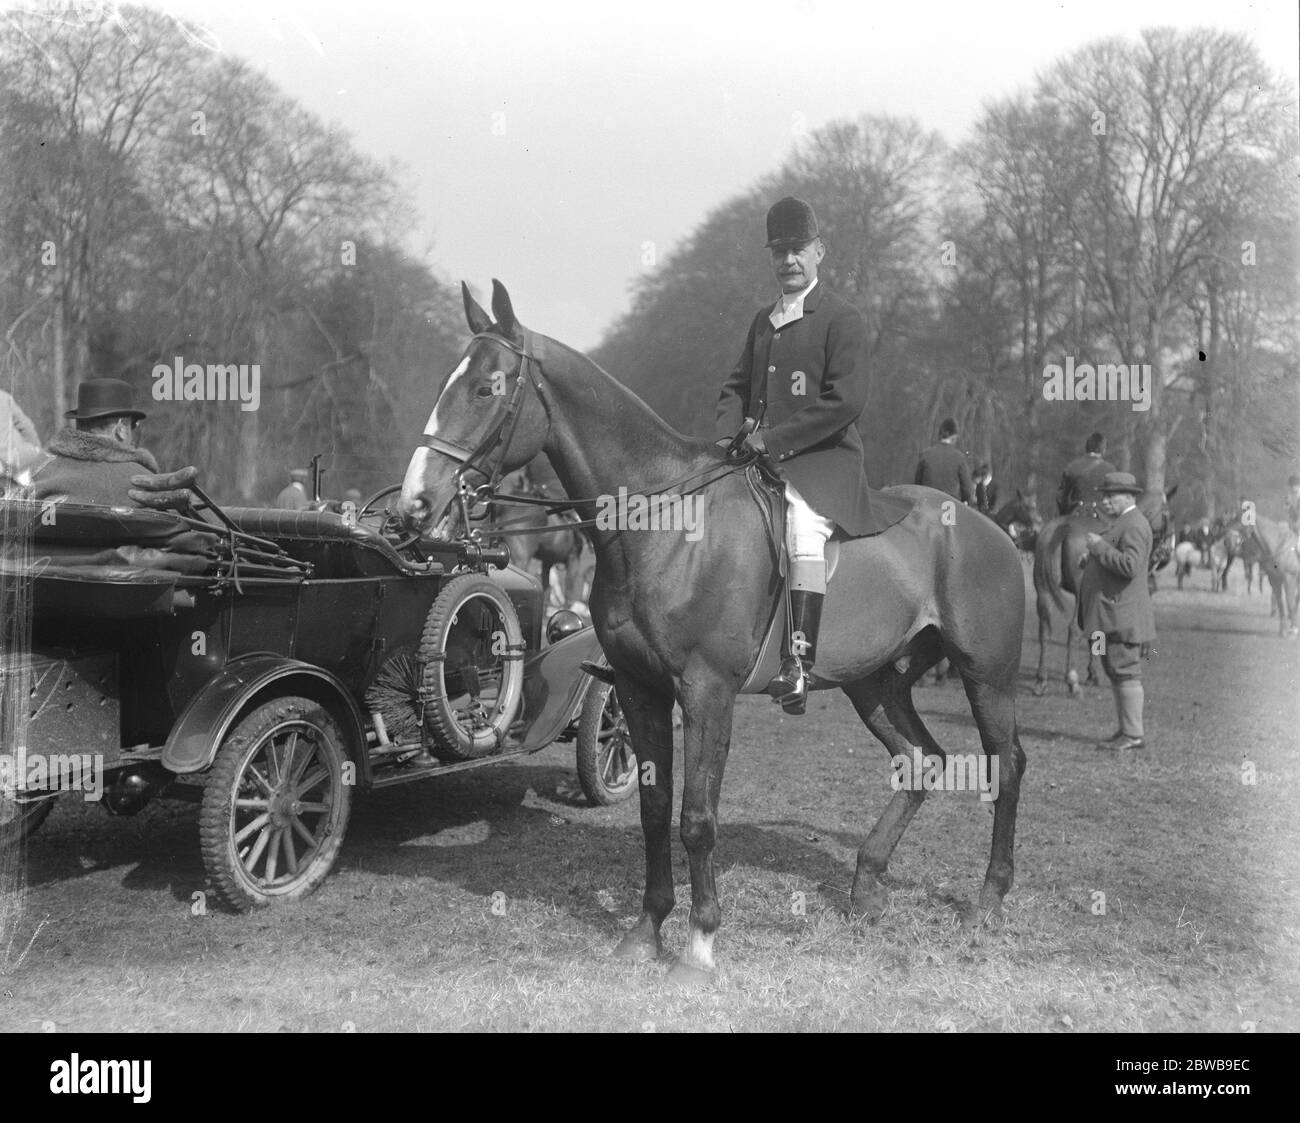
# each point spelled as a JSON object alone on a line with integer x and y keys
{"x": 869, "y": 906}
{"x": 1073, "y": 689}
{"x": 635, "y": 948}
{"x": 1040, "y": 688}
{"x": 687, "y": 976}
{"x": 989, "y": 914}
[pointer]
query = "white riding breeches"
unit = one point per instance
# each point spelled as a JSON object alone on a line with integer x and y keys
{"x": 806, "y": 535}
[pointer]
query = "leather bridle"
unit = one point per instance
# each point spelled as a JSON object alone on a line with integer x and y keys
{"x": 487, "y": 458}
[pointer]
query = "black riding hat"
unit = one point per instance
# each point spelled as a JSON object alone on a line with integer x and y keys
{"x": 791, "y": 222}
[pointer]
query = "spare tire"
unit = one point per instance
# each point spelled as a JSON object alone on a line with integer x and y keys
{"x": 472, "y": 650}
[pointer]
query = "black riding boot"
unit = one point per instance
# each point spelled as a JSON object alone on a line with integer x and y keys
{"x": 791, "y": 683}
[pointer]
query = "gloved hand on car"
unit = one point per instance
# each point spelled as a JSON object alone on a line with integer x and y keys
{"x": 164, "y": 491}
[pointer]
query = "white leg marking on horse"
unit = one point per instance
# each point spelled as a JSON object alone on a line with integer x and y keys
{"x": 431, "y": 430}
{"x": 699, "y": 949}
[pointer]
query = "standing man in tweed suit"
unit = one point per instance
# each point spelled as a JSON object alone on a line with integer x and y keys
{"x": 802, "y": 372}
{"x": 1113, "y": 600}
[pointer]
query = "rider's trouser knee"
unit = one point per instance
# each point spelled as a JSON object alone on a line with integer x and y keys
{"x": 806, "y": 535}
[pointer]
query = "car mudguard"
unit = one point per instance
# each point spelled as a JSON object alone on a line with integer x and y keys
{"x": 207, "y": 718}
{"x": 555, "y": 687}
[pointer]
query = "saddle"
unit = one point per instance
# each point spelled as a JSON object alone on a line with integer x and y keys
{"x": 767, "y": 489}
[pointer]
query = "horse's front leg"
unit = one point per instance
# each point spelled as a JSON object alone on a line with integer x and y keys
{"x": 649, "y": 721}
{"x": 708, "y": 706}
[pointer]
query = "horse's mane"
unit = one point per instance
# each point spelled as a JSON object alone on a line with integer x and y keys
{"x": 693, "y": 444}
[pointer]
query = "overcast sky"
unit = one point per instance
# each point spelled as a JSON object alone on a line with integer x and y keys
{"x": 545, "y": 143}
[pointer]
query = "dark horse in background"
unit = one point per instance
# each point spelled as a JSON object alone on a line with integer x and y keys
{"x": 564, "y": 545}
{"x": 1020, "y": 519}
{"x": 682, "y": 617}
{"x": 1061, "y": 543}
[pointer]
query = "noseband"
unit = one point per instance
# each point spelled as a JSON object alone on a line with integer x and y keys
{"x": 488, "y": 457}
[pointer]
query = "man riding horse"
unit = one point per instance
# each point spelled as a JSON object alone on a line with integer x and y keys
{"x": 802, "y": 375}
{"x": 1082, "y": 479}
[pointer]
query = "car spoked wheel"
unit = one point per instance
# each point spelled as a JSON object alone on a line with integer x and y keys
{"x": 276, "y": 804}
{"x": 472, "y": 650}
{"x": 607, "y": 767}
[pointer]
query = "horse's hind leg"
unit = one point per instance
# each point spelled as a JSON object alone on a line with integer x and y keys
{"x": 875, "y": 699}
{"x": 994, "y": 709}
{"x": 1044, "y": 634}
{"x": 649, "y": 721}
{"x": 1072, "y": 634}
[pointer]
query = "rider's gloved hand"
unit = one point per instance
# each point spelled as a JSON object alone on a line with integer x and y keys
{"x": 164, "y": 491}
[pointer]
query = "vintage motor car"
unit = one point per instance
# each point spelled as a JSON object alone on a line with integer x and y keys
{"x": 267, "y": 663}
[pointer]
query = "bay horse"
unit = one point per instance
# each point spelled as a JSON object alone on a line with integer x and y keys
{"x": 1060, "y": 545}
{"x": 681, "y": 616}
{"x": 564, "y": 546}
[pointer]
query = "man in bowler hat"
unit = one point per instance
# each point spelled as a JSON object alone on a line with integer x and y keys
{"x": 98, "y": 459}
{"x": 802, "y": 374}
{"x": 1114, "y": 600}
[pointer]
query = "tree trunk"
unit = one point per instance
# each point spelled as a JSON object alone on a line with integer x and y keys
{"x": 58, "y": 362}
{"x": 1156, "y": 437}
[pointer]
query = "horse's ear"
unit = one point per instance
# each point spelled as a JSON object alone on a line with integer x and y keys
{"x": 503, "y": 310}
{"x": 1171, "y": 492}
{"x": 478, "y": 320}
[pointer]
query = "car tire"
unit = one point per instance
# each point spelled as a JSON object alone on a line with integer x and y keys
{"x": 471, "y": 639}
{"x": 607, "y": 768}
{"x": 254, "y": 815}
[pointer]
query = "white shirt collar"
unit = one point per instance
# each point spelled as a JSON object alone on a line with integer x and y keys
{"x": 790, "y": 306}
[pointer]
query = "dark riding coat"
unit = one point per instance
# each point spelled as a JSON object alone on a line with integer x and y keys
{"x": 1113, "y": 596}
{"x": 945, "y": 467}
{"x": 89, "y": 468}
{"x": 810, "y": 425}
{"x": 1080, "y": 481}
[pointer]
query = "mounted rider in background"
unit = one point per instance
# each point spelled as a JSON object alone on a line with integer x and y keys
{"x": 1082, "y": 479}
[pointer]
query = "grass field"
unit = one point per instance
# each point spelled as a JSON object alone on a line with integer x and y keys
{"x": 1155, "y": 891}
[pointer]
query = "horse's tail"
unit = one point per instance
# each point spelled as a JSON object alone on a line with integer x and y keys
{"x": 1047, "y": 562}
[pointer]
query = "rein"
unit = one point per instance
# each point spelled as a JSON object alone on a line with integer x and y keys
{"x": 492, "y": 450}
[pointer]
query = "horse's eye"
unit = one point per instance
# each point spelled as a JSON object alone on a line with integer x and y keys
{"x": 484, "y": 392}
